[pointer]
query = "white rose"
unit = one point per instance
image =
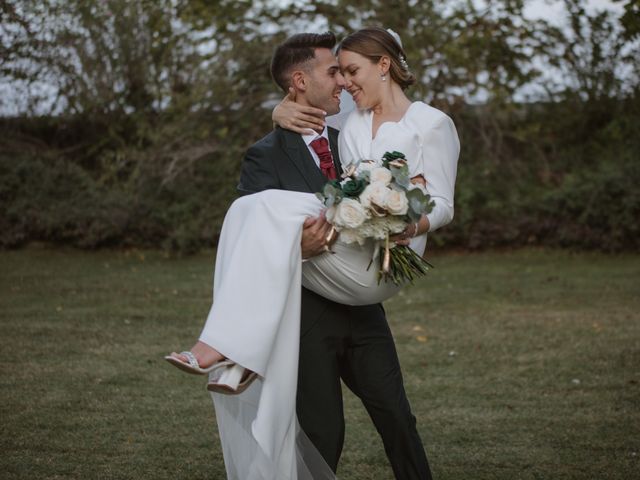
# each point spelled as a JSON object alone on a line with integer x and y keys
{"x": 374, "y": 197}
{"x": 395, "y": 224}
{"x": 348, "y": 214}
{"x": 349, "y": 235}
{"x": 397, "y": 203}
{"x": 374, "y": 229}
{"x": 366, "y": 166}
{"x": 380, "y": 174}
{"x": 379, "y": 227}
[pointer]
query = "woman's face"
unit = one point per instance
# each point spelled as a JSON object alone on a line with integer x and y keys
{"x": 362, "y": 79}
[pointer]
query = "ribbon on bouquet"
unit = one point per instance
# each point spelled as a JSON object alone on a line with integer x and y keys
{"x": 386, "y": 258}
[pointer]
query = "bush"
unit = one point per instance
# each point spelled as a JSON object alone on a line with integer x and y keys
{"x": 533, "y": 174}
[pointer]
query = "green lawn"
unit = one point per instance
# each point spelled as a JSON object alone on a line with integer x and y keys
{"x": 518, "y": 365}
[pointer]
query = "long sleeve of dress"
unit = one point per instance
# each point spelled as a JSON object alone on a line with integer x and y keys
{"x": 440, "y": 150}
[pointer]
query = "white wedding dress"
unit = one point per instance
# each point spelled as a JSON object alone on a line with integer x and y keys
{"x": 255, "y": 316}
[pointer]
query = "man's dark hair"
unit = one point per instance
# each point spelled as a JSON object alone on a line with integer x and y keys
{"x": 294, "y": 52}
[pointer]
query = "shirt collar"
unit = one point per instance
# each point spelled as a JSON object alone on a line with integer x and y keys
{"x": 312, "y": 136}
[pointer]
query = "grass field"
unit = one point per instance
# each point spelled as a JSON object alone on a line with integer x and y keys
{"x": 518, "y": 365}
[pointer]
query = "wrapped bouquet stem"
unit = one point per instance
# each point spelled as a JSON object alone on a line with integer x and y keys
{"x": 404, "y": 264}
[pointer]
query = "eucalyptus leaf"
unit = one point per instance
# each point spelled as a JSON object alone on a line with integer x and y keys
{"x": 419, "y": 203}
{"x": 401, "y": 176}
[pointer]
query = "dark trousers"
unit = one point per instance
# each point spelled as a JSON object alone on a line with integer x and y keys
{"x": 355, "y": 344}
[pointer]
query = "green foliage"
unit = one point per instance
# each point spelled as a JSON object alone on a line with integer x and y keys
{"x": 600, "y": 204}
{"x": 353, "y": 187}
{"x": 50, "y": 198}
{"x": 580, "y": 192}
{"x": 157, "y": 101}
{"x": 419, "y": 203}
{"x": 631, "y": 19}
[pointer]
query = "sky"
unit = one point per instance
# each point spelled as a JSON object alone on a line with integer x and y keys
{"x": 12, "y": 97}
{"x": 552, "y": 10}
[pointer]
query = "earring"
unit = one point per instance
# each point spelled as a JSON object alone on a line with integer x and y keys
{"x": 383, "y": 77}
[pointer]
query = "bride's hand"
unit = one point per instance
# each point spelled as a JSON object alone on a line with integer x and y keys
{"x": 292, "y": 116}
{"x": 412, "y": 230}
{"x": 404, "y": 237}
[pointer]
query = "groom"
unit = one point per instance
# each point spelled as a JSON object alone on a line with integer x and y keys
{"x": 336, "y": 341}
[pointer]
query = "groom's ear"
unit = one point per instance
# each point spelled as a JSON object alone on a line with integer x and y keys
{"x": 299, "y": 81}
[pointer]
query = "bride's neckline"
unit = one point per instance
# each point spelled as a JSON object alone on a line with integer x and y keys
{"x": 392, "y": 122}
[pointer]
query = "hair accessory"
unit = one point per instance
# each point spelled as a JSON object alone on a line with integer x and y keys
{"x": 395, "y": 36}
{"x": 401, "y": 59}
{"x": 403, "y": 62}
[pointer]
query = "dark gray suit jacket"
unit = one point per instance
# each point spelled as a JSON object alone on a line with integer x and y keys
{"x": 282, "y": 161}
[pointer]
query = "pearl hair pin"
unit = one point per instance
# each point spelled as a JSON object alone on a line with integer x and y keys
{"x": 401, "y": 59}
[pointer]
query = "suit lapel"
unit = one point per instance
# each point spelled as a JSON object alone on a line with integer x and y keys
{"x": 302, "y": 160}
{"x": 333, "y": 143}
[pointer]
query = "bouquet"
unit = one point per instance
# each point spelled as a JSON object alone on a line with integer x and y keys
{"x": 375, "y": 200}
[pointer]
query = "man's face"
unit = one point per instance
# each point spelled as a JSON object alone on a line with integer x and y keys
{"x": 325, "y": 82}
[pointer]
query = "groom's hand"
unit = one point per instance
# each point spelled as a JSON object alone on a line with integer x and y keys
{"x": 316, "y": 236}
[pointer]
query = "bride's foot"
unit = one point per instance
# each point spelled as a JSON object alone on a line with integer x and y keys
{"x": 200, "y": 360}
{"x": 205, "y": 355}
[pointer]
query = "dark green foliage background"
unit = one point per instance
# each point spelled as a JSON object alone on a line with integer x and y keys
{"x": 145, "y": 146}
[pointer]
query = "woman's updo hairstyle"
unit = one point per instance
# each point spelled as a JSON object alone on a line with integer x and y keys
{"x": 374, "y": 43}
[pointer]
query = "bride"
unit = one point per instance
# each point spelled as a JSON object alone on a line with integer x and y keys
{"x": 249, "y": 344}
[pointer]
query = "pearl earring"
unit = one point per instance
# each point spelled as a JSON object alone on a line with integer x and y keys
{"x": 383, "y": 77}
